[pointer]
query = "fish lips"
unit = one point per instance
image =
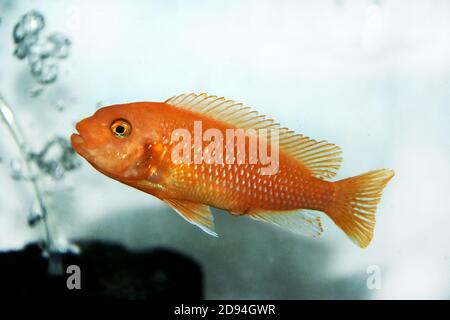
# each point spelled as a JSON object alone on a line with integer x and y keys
{"x": 77, "y": 140}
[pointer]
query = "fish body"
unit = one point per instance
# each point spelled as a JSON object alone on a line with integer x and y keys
{"x": 196, "y": 151}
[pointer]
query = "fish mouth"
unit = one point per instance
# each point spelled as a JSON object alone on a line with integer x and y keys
{"x": 77, "y": 140}
{"x": 79, "y": 144}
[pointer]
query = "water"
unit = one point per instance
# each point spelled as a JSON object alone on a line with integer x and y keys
{"x": 370, "y": 76}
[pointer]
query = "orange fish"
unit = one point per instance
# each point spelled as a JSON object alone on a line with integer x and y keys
{"x": 172, "y": 150}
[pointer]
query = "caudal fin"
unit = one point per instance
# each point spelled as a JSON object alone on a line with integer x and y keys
{"x": 356, "y": 202}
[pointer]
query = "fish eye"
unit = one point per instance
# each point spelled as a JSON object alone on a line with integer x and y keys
{"x": 121, "y": 128}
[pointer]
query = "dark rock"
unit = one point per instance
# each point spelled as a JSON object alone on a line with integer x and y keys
{"x": 108, "y": 271}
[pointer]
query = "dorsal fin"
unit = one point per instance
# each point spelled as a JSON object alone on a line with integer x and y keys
{"x": 323, "y": 159}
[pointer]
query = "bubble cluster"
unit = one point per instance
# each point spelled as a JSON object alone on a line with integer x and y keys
{"x": 42, "y": 53}
{"x": 56, "y": 158}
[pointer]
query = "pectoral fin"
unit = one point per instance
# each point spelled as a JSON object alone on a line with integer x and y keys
{"x": 195, "y": 213}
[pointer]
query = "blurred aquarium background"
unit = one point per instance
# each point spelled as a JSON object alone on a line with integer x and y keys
{"x": 370, "y": 76}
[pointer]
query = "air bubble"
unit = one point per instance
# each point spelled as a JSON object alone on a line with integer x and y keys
{"x": 42, "y": 49}
{"x": 35, "y": 91}
{"x": 36, "y": 214}
{"x": 61, "y": 45}
{"x": 56, "y": 158}
{"x": 29, "y": 24}
{"x": 23, "y": 47}
{"x": 16, "y": 169}
{"x": 21, "y": 51}
{"x": 48, "y": 72}
{"x": 60, "y": 105}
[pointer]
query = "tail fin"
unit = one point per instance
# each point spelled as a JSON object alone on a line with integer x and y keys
{"x": 356, "y": 202}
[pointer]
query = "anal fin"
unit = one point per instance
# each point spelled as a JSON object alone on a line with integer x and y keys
{"x": 306, "y": 222}
{"x": 195, "y": 213}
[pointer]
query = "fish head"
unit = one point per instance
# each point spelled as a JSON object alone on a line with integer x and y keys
{"x": 115, "y": 140}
